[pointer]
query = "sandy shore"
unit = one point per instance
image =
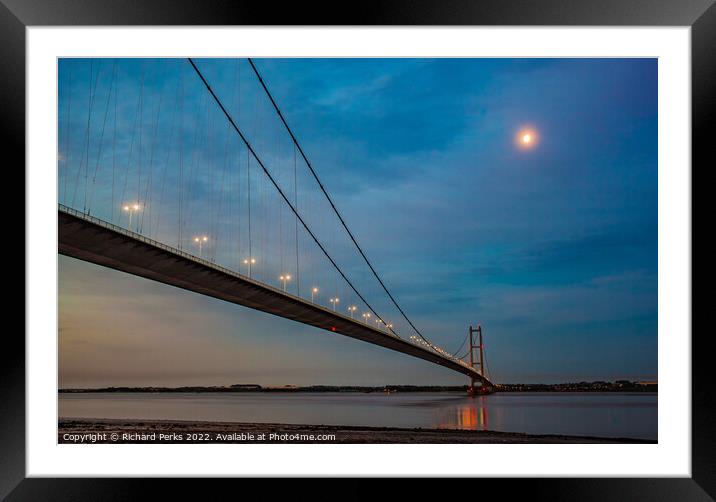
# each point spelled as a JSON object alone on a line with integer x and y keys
{"x": 93, "y": 431}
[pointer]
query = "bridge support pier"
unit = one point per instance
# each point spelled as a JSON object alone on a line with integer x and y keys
{"x": 477, "y": 360}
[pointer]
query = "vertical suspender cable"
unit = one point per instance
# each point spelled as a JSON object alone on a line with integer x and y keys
{"x": 181, "y": 156}
{"x": 114, "y": 149}
{"x": 67, "y": 136}
{"x": 101, "y": 138}
{"x": 335, "y": 210}
{"x": 295, "y": 220}
{"x": 275, "y": 184}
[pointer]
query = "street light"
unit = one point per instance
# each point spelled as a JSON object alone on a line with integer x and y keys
{"x": 334, "y": 301}
{"x": 248, "y": 262}
{"x": 313, "y": 292}
{"x": 200, "y": 239}
{"x": 131, "y": 209}
{"x": 366, "y": 316}
{"x": 352, "y": 310}
{"x": 284, "y": 279}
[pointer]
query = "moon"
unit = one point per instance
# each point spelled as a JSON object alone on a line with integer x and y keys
{"x": 526, "y": 138}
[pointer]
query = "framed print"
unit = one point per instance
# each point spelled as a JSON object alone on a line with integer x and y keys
{"x": 267, "y": 244}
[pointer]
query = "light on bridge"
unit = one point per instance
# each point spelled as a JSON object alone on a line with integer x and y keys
{"x": 334, "y": 302}
{"x": 314, "y": 290}
{"x": 131, "y": 208}
{"x": 201, "y": 240}
{"x": 249, "y": 262}
{"x": 284, "y": 279}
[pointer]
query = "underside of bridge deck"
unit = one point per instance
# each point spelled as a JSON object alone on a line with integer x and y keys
{"x": 98, "y": 242}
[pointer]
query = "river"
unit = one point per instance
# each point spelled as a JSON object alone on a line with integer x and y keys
{"x": 624, "y": 415}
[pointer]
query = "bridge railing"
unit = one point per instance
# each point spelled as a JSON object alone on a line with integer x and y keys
{"x": 206, "y": 263}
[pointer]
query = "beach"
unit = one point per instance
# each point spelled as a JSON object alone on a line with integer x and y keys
{"x": 118, "y": 431}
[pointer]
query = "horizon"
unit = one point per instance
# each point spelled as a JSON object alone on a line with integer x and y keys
{"x": 293, "y": 386}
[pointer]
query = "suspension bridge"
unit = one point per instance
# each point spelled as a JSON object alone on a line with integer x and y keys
{"x": 187, "y": 173}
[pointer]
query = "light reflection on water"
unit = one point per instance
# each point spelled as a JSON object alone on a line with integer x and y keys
{"x": 591, "y": 414}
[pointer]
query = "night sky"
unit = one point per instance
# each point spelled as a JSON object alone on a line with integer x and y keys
{"x": 552, "y": 248}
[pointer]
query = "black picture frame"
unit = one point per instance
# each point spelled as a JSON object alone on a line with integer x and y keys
{"x": 16, "y": 15}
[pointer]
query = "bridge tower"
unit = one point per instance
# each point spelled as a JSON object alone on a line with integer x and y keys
{"x": 477, "y": 360}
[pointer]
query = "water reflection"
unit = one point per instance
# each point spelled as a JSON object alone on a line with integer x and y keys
{"x": 613, "y": 415}
{"x": 470, "y": 413}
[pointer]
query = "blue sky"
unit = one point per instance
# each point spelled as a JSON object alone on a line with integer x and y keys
{"x": 552, "y": 249}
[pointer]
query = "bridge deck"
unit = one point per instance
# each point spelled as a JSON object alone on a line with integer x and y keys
{"x": 96, "y": 241}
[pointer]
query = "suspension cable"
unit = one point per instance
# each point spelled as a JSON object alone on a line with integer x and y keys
{"x": 278, "y": 188}
{"x": 461, "y": 345}
{"x": 486, "y": 369}
{"x": 66, "y": 171}
{"x": 335, "y": 210}
{"x": 101, "y": 138}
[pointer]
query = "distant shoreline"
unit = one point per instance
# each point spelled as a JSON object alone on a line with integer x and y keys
{"x": 599, "y": 386}
{"x": 118, "y": 431}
